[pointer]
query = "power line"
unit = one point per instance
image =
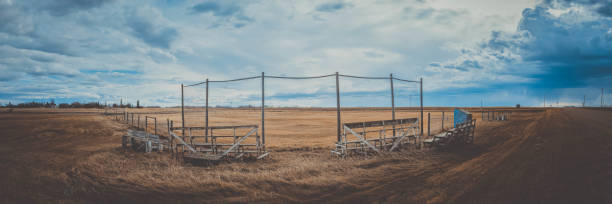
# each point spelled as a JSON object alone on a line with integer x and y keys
{"x": 404, "y": 80}
{"x": 232, "y": 80}
{"x": 299, "y": 77}
{"x": 362, "y": 77}
{"x": 310, "y": 77}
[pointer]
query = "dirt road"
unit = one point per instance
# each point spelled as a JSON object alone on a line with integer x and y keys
{"x": 561, "y": 156}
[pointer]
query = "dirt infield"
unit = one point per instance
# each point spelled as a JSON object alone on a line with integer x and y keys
{"x": 558, "y": 156}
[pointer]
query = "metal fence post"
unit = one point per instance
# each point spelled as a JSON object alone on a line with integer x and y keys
{"x": 206, "y": 125}
{"x": 392, "y": 103}
{"x": 338, "y": 107}
{"x": 183, "y": 111}
{"x": 421, "y": 87}
{"x": 263, "y": 106}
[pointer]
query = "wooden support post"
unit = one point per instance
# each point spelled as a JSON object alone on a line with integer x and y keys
{"x": 442, "y": 120}
{"x": 263, "y": 107}
{"x": 138, "y": 121}
{"x": 190, "y": 136}
{"x": 132, "y": 119}
{"x": 155, "y": 120}
{"x": 392, "y": 103}
{"x": 206, "y": 119}
{"x": 183, "y": 111}
{"x": 169, "y": 137}
{"x": 363, "y": 140}
{"x": 338, "y": 106}
{"x": 239, "y": 141}
{"x": 421, "y": 93}
{"x": 428, "y": 124}
{"x": 146, "y": 125}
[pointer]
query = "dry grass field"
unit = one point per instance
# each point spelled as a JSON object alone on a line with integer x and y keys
{"x": 288, "y": 128}
{"x": 75, "y": 156}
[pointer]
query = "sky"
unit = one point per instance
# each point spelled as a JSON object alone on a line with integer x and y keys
{"x": 468, "y": 53}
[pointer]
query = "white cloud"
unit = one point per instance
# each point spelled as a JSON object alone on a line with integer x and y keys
{"x": 145, "y": 50}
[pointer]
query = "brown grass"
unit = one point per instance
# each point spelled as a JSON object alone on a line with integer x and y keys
{"x": 75, "y": 156}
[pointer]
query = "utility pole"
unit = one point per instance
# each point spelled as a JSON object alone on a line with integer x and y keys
{"x": 263, "y": 107}
{"x": 544, "y": 101}
{"x": 392, "y": 103}
{"x": 206, "y": 115}
{"x": 421, "y": 97}
{"x": 584, "y": 101}
{"x": 339, "y": 133}
{"x": 182, "y": 112}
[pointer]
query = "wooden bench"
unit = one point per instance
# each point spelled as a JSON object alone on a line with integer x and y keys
{"x": 219, "y": 142}
{"x": 141, "y": 140}
{"x": 463, "y": 133}
{"x": 388, "y": 135}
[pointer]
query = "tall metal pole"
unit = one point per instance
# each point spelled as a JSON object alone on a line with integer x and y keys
{"x": 263, "y": 105}
{"x": 338, "y": 106}
{"x": 206, "y": 120}
{"x": 392, "y": 102}
{"x": 182, "y": 110}
{"x": 584, "y": 101}
{"x": 602, "y": 95}
{"x": 421, "y": 82}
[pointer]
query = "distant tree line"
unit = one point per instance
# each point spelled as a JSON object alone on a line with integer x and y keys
{"x": 52, "y": 104}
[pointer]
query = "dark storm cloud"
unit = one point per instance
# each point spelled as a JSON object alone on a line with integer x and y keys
{"x": 568, "y": 53}
{"x": 568, "y": 47}
{"x": 64, "y": 7}
{"x": 12, "y": 20}
{"x": 217, "y": 8}
{"x": 227, "y": 12}
{"x": 603, "y": 7}
{"x": 144, "y": 26}
{"x": 332, "y": 6}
